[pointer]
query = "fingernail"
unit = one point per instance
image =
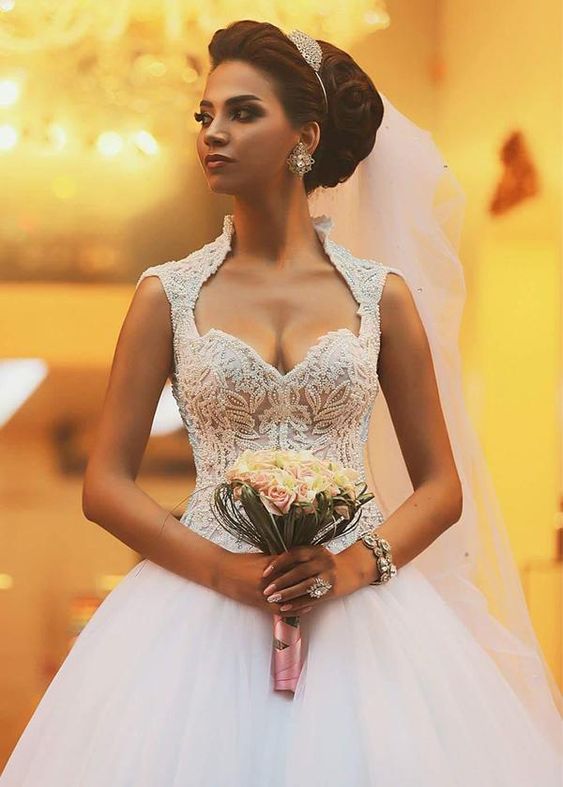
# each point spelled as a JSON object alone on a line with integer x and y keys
{"x": 268, "y": 571}
{"x": 275, "y": 597}
{"x": 285, "y": 606}
{"x": 269, "y": 589}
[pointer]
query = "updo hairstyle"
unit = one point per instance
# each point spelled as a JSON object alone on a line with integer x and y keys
{"x": 355, "y": 108}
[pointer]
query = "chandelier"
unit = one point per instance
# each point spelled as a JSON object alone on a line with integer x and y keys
{"x": 93, "y": 69}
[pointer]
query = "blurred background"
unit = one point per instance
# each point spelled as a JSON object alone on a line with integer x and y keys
{"x": 100, "y": 179}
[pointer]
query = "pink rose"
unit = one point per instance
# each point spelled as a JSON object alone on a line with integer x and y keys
{"x": 261, "y": 480}
{"x": 302, "y": 473}
{"x": 238, "y": 475}
{"x": 277, "y": 499}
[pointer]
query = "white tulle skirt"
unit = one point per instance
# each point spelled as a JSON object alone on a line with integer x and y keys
{"x": 169, "y": 685}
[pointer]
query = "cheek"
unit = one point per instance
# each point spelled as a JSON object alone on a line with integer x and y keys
{"x": 264, "y": 156}
{"x": 201, "y": 147}
{"x": 263, "y": 143}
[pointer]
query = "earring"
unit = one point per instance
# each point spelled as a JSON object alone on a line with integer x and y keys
{"x": 300, "y": 160}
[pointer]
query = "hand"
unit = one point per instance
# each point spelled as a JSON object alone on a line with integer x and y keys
{"x": 295, "y": 570}
{"x": 240, "y": 578}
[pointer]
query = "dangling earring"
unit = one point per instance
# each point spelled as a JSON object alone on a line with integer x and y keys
{"x": 300, "y": 160}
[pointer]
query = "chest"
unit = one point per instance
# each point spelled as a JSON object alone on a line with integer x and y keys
{"x": 281, "y": 315}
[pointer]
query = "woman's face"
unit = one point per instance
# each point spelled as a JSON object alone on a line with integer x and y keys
{"x": 254, "y": 132}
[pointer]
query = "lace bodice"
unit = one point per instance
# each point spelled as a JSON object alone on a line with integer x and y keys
{"x": 231, "y": 399}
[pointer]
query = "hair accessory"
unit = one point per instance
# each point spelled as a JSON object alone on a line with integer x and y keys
{"x": 311, "y": 52}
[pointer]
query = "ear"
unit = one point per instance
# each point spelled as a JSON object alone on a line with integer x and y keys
{"x": 311, "y": 135}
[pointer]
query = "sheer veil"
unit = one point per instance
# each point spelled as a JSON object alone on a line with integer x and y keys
{"x": 404, "y": 208}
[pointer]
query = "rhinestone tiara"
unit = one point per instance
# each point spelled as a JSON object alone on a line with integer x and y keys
{"x": 311, "y": 51}
{"x": 309, "y": 48}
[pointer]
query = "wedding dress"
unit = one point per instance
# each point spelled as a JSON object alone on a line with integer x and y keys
{"x": 169, "y": 684}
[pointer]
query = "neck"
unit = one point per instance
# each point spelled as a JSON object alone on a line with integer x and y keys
{"x": 279, "y": 236}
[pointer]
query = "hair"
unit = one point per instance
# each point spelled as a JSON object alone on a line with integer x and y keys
{"x": 355, "y": 108}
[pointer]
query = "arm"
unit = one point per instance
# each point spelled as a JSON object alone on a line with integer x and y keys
{"x": 110, "y": 497}
{"x": 407, "y": 378}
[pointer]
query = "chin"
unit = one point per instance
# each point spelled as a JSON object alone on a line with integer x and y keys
{"x": 219, "y": 188}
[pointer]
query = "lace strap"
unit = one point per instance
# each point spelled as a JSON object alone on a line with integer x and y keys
{"x": 370, "y": 289}
{"x": 375, "y": 282}
{"x": 166, "y": 276}
{"x": 385, "y": 270}
{"x": 168, "y": 279}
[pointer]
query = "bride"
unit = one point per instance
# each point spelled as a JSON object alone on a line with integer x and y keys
{"x": 276, "y": 335}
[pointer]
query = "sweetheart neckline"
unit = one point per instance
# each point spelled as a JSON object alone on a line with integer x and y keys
{"x": 282, "y": 376}
{"x": 321, "y": 229}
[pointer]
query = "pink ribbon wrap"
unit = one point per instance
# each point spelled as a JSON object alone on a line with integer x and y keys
{"x": 287, "y": 659}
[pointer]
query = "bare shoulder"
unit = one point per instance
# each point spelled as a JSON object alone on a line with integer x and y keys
{"x": 396, "y": 302}
{"x": 149, "y": 317}
{"x": 165, "y": 272}
{"x": 396, "y": 292}
{"x": 151, "y": 288}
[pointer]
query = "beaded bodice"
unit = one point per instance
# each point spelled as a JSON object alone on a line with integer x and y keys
{"x": 230, "y": 399}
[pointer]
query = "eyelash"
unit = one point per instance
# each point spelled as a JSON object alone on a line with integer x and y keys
{"x": 200, "y": 115}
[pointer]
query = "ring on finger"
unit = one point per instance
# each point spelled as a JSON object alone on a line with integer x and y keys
{"x": 319, "y": 587}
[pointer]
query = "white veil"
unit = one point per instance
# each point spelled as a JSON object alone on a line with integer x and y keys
{"x": 404, "y": 208}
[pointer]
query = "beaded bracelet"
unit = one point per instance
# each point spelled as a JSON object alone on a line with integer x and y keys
{"x": 381, "y": 549}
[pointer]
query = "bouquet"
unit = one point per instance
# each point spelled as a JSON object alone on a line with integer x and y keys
{"x": 279, "y": 499}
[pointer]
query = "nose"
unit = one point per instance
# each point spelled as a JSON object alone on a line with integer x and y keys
{"x": 213, "y": 137}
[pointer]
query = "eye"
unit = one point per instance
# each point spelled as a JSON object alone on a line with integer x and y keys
{"x": 243, "y": 109}
{"x": 199, "y": 116}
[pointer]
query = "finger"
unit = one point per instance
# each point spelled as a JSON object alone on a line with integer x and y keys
{"x": 305, "y": 571}
{"x": 282, "y": 562}
{"x": 300, "y": 589}
{"x": 297, "y": 606}
{"x": 290, "y": 577}
{"x": 273, "y": 568}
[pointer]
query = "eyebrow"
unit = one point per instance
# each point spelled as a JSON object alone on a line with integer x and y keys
{"x": 232, "y": 100}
